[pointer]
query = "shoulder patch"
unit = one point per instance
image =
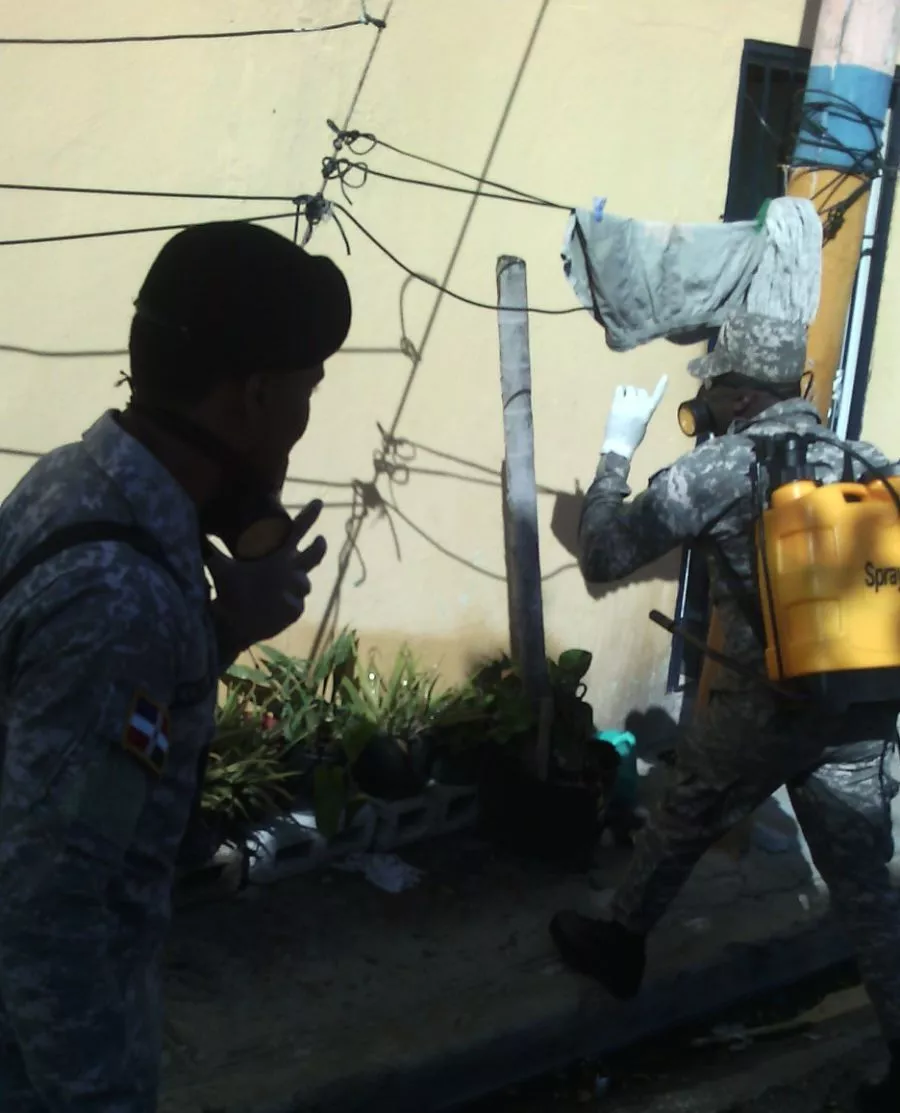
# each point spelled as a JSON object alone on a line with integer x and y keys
{"x": 146, "y": 733}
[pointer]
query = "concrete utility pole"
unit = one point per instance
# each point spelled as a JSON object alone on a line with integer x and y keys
{"x": 523, "y": 560}
{"x": 845, "y": 107}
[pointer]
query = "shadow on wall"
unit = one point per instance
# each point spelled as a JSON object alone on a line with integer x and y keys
{"x": 378, "y": 496}
{"x": 809, "y": 24}
{"x": 396, "y": 463}
{"x": 122, "y": 353}
{"x": 655, "y": 732}
{"x": 367, "y": 496}
{"x": 45, "y": 353}
{"x": 415, "y": 353}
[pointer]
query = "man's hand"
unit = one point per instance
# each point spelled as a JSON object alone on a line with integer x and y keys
{"x": 629, "y": 417}
{"x": 258, "y": 599}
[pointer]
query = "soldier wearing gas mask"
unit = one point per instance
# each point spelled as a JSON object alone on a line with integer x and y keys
{"x": 749, "y": 740}
{"x": 111, "y": 646}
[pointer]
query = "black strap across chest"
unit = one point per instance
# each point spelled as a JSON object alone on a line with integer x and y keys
{"x": 83, "y": 533}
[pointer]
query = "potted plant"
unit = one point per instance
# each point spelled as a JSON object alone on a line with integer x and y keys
{"x": 396, "y": 761}
{"x": 557, "y": 818}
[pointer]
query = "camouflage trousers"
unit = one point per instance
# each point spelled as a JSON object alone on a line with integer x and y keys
{"x": 43, "y": 1069}
{"x": 741, "y": 749}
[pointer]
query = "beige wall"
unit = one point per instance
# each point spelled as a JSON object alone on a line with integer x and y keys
{"x": 632, "y": 100}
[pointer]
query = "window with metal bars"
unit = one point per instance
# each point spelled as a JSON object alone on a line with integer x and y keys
{"x": 770, "y": 89}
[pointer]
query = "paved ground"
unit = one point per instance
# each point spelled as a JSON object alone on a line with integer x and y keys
{"x": 324, "y": 994}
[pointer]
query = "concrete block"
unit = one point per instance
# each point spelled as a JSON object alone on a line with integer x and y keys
{"x": 401, "y": 822}
{"x": 292, "y": 844}
{"x": 454, "y": 808}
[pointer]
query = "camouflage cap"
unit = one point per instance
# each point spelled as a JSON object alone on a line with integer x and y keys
{"x": 762, "y": 348}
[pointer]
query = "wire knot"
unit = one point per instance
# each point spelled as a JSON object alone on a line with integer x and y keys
{"x": 316, "y": 209}
{"x": 346, "y": 138}
{"x": 339, "y": 170}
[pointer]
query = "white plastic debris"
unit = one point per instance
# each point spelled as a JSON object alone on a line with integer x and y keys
{"x": 384, "y": 871}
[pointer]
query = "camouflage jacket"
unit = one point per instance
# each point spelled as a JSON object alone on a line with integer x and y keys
{"x": 706, "y": 499}
{"x": 108, "y": 668}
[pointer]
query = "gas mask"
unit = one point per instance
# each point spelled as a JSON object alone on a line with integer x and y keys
{"x": 711, "y": 412}
{"x": 719, "y": 401}
{"x": 247, "y": 515}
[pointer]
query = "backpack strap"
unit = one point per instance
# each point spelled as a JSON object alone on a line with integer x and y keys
{"x": 84, "y": 533}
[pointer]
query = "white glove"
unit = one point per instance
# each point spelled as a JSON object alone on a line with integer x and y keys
{"x": 629, "y": 417}
{"x": 258, "y": 599}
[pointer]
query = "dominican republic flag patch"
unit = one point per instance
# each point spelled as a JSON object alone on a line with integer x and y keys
{"x": 147, "y": 733}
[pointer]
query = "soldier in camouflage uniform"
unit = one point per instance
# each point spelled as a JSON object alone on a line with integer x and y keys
{"x": 749, "y": 740}
{"x": 110, "y": 649}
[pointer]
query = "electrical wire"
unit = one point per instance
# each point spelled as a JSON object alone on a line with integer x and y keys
{"x": 339, "y": 169}
{"x": 364, "y": 20}
{"x": 865, "y": 162}
{"x": 494, "y": 306}
{"x": 70, "y": 236}
{"x": 315, "y": 208}
{"x": 95, "y": 191}
{"x": 347, "y": 138}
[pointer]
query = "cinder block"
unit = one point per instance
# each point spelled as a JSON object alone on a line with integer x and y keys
{"x": 287, "y": 845}
{"x": 357, "y": 837}
{"x": 401, "y": 822}
{"x": 292, "y": 844}
{"x": 454, "y": 808}
{"x": 225, "y": 874}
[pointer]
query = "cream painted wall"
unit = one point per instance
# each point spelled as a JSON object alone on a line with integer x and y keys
{"x": 632, "y": 100}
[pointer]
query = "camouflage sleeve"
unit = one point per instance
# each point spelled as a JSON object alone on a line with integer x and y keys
{"x": 86, "y": 732}
{"x": 871, "y": 460}
{"x": 617, "y": 537}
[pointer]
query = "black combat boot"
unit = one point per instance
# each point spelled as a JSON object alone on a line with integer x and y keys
{"x": 885, "y": 1096}
{"x": 604, "y": 951}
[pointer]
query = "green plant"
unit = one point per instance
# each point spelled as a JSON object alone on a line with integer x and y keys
{"x": 493, "y": 706}
{"x": 281, "y": 717}
{"x": 572, "y": 733}
{"x": 284, "y": 718}
{"x": 399, "y": 705}
{"x": 246, "y": 776}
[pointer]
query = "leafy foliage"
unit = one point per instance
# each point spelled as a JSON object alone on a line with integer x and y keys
{"x": 285, "y": 723}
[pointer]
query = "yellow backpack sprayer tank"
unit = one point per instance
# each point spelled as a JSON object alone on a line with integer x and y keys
{"x": 828, "y": 574}
{"x": 828, "y": 562}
